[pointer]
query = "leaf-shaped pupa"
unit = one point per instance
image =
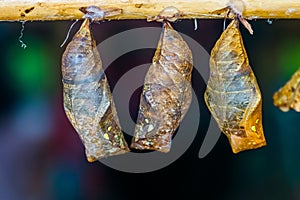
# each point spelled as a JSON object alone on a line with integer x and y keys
{"x": 232, "y": 94}
{"x": 88, "y": 101}
{"x": 166, "y": 95}
{"x": 289, "y": 95}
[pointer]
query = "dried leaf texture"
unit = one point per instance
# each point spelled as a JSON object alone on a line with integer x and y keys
{"x": 232, "y": 95}
{"x": 166, "y": 95}
{"x": 88, "y": 101}
{"x": 289, "y": 95}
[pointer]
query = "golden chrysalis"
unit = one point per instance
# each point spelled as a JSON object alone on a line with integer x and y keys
{"x": 88, "y": 101}
{"x": 289, "y": 95}
{"x": 232, "y": 94}
{"x": 166, "y": 95}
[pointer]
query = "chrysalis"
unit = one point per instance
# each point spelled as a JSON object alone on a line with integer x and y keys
{"x": 232, "y": 94}
{"x": 289, "y": 95}
{"x": 88, "y": 101}
{"x": 166, "y": 94}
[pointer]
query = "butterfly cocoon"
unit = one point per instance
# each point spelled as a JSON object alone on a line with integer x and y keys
{"x": 88, "y": 101}
{"x": 289, "y": 95}
{"x": 166, "y": 94}
{"x": 232, "y": 94}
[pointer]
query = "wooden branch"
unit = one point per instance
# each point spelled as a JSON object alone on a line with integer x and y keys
{"x": 11, "y": 10}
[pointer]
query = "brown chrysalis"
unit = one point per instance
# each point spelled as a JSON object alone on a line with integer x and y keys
{"x": 232, "y": 94}
{"x": 166, "y": 94}
{"x": 289, "y": 95}
{"x": 88, "y": 101}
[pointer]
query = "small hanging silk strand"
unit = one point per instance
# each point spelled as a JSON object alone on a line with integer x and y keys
{"x": 23, "y": 45}
{"x": 195, "y": 24}
{"x": 68, "y": 34}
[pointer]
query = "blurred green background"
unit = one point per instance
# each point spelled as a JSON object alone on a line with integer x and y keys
{"x": 41, "y": 156}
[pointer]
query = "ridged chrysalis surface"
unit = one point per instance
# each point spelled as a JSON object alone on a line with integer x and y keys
{"x": 88, "y": 101}
{"x": 166, "y": 95}
{"x": 289, "y": 95}
{"x": 233, "y": 95}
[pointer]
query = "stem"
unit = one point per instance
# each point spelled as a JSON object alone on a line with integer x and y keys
{"x": 141, "y": 9}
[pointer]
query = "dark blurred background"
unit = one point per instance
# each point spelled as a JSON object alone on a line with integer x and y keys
{"x": 41, "y": 156}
